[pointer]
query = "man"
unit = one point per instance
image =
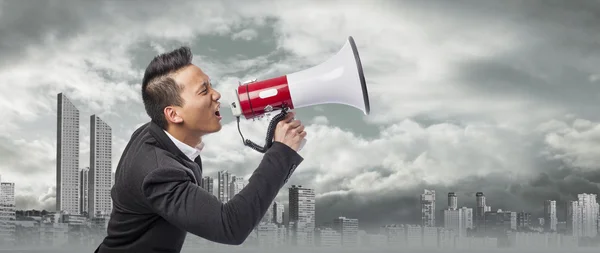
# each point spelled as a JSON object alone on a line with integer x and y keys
{"x": 156, "y": 196}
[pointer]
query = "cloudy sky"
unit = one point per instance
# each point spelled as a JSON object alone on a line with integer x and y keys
{"x": 466, "y": 96}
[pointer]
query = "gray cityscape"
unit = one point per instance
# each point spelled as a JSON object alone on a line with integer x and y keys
{"x": 83, "y": 205}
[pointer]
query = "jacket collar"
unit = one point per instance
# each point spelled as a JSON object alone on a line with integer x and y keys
{"x": 165, "y": 141}
{"x": 191, "y": 152}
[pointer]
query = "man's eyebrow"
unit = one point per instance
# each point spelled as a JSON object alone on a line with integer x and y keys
{"x": 202, "y": 86}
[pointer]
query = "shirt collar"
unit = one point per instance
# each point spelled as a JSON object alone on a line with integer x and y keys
{"x": 191, "y": 152}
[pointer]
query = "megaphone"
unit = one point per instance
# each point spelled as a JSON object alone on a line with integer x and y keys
{"x": 339, "y": 80}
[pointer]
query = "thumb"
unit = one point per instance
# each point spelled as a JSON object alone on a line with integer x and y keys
{"x": 289, "y": 117}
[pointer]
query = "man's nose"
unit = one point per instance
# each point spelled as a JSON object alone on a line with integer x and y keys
{"x": 216, "y": 95}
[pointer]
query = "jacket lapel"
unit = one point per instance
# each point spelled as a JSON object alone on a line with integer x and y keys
{"x": 166, "y": 143}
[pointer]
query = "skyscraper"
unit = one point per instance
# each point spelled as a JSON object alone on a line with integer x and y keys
{"x": 428, "y": 208}
{"x": 574, "y": 226}
{"x": 236, "y": 185}
{"x": 348, "y": 229}
{"x": 278, "y": 210}
{"x": 452, "y": 201}
{"x": 523, "y": 220}
{"x": 7, "y": 211}
{"x": 480, "y": 209}
{"x": 67, "y": 156}
{"x": 467, "y": 217}
{"x": 550, "y": 218}
{"x": 223, "y": 179}
{"x": 100, "y": 174}
{"x": 207, "y": 184}
{"x": 453, "y": 216}
{"x": 302, "y": 215}
{"x": 83, "y": 189}
{"x": 588, "y": 208}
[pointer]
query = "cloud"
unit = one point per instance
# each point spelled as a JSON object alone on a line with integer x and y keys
{"x": 448, "y": 66}
{"x": 573, "y": 142}
{"x": 351, "y": 174}
{"x": 465, "y": 96}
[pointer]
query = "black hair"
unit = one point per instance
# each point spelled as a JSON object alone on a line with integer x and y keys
{"x": 159, "y": 90}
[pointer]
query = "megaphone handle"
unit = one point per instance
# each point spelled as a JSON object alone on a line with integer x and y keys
{"x": 270, "y": 133}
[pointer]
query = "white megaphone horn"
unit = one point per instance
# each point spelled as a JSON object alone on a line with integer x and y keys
{"x": 339, "y": 80}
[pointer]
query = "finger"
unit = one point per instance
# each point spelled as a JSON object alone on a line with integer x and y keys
{"x": 283, "y": 123}
{"x": 289, "y": 117}
{"x": 294, "y": 124}
{"x": 299, "y": 129}
{"x": 301, "y": 135}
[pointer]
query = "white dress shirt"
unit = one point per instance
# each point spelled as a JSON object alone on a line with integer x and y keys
{"x": 189, "y": 151}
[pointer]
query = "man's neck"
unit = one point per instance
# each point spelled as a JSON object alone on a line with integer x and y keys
{"x": 188, "y": 139}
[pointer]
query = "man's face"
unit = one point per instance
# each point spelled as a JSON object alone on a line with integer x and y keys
{"x": 200, "y": 110}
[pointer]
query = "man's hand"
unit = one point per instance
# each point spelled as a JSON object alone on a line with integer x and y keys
{"x": 290, "y": 131}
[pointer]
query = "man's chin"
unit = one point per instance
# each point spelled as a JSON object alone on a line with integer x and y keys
{"x": 216, "y": 128}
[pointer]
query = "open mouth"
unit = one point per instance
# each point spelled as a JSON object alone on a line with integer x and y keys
{"x": 218, "y": 113}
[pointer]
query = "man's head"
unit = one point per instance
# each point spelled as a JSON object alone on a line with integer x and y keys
{"x": 177, "y": 94}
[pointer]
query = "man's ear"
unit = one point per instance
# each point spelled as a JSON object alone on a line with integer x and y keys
{"x": 172, "y": 114}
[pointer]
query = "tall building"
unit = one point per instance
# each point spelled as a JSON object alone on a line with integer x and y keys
{"x": 83, "y": 190}
{"x": 7, "y": 213}
{"x": 582, "y": 216}
{"x": 67, "y": 156}
{"x": 573, "y": 219}
{"x": 7, "y": 193}
{"x": 467, "y": 217}
{"x": 348, "y": 228}
{"x": 223, "y": 185}
{"x": 496, "y": 223}
{"x": 208, "y": 184}
{"x": 457, "y": 219}
{"x": 523, "y": 220}
{"x": 453, "y": 216}
{"x": 452, "y": 201}
{"x": 428, "y": 208}
{"x": 278, "y": 210}
{"x": 100, "y": 173}
{"x": 550, "y": 218}
{"x": 302, "y": 215}
{"x": 453, "y": 219}
{"x": 480, "y": 209}
{"x": 236, "y": 185}
{"x": 588, "y": 208}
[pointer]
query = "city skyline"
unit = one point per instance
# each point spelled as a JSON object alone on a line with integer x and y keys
{"x": 465, "y": 97}
{"x": 453, "y": 210}
{"x": 501, "y": 228}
